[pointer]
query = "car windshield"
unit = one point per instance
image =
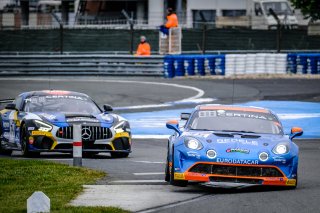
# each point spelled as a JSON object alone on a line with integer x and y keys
{"x": 61, "y": 103}
{"x": 280, "y": 8}
{"x": 235, "y": 121}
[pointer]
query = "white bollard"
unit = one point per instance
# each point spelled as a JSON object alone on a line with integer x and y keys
{"x": 38, "y": 202}
{"x": 77, "y": 145}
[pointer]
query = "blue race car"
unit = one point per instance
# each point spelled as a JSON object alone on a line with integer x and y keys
{"x": 232, "y": 146}
{"x": 42, "y": 121}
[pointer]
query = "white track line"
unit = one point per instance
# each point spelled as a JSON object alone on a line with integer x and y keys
{"x": 148, "y": 173}
{"x": 193, "y": 99}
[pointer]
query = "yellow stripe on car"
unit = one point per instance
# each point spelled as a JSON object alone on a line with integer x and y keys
{"x": 179, "y": 176}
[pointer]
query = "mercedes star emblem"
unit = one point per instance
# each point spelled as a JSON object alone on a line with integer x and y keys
{"x": 86, "y": 133}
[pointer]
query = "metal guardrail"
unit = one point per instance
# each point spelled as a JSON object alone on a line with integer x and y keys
{"x": 93, "y": 64}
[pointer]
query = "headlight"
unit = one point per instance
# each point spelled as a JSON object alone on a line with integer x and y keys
{"x": 280, "y": 149}
{"x": 42, "y": 126}
{"x": 193, "y": 143}
{"x": 122, "y": 125}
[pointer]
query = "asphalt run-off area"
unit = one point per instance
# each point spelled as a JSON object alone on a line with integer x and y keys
{"x": 137, "y": 183}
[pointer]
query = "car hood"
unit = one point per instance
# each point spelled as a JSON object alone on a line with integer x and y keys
{"x": 58, "y": 117}
{"x": 238, "y": 144}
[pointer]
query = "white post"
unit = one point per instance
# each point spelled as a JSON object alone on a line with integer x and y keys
{"x": 38, "y": 202}
{"x": 77, "y": 145}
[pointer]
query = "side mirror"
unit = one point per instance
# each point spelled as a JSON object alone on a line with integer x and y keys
{"x": 107, "y": 108}
{"x": 185, "y": 116}
{"x": 296, "y": 131}
{"x": 11, "y": 106}
{"x": 173, "y": 124}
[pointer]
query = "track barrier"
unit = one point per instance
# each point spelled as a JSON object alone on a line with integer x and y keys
{"x": 237, "y": 64}
{"x": 168, "y": 66}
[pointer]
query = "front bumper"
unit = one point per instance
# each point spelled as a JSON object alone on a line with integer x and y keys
{"x": 40, "y": 141}
{"x": 230, "y": 177}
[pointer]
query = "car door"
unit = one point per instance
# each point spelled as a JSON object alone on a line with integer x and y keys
{"x": 11, "y": 123}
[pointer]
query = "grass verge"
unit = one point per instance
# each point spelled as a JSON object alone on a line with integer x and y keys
{"x": 61, "y": 183}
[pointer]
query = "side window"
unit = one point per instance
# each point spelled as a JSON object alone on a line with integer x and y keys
{"x": 18, "y": 102}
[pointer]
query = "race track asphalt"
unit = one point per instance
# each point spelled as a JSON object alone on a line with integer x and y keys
{"x": 145, "y": 166}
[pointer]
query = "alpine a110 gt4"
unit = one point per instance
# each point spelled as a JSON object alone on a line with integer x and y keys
{"x": 42, "y": 121}
{"x": 232, "y": 146}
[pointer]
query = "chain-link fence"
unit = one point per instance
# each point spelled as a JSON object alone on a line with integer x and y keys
{"x": 120, "y": 40}
{"x": 202, "y": 32}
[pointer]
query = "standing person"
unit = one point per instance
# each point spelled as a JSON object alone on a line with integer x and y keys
{"x": 144, "y": 48}
{"x": 172, "y": 21}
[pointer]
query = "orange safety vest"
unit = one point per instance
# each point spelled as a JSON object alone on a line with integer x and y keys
{"x": 172, "y": 21}
{"x": 144, "y": 49}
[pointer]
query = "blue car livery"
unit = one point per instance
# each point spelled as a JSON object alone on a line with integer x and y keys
{"x": 42, "y": 121}
{"x": 231, "y": 146}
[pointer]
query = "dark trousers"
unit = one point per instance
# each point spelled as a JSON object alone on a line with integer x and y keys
{"x": 164, "y": 30}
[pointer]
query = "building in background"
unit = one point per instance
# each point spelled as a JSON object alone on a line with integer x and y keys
{"x": 151, "y": 13}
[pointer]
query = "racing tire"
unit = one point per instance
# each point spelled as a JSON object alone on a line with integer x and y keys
{"x": 2, "y": 150}
{"x": 24, "y": 143}
{"x": 119, "y": 155}
{"x": 180, "y": 183}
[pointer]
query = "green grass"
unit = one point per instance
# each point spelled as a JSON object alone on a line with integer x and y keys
{"x": 61, "y": 183}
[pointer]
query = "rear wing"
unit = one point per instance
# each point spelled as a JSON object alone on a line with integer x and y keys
{"x": 6, "y": 101}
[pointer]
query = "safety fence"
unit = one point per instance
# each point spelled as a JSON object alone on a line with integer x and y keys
{"x": 235, "y": 64}
{"x": 126, "y": 65}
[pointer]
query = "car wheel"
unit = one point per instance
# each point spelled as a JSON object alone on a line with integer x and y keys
{"x": 5, "y": 151}
{"x": 119, "y": 155}
{"x": 181, "y": 183}
{"x": 24, "y": 143}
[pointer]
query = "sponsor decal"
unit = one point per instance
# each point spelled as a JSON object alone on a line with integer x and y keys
{"x": 193, "y": 154}
{"x": 237, "y": 140}
{"x": 31, "y": 128}
{"x": 244, "y": 151}
{"x": 66, "y": 97}
{"x": 79, "y": 119}
{"x": 280, "y": 159}
{"x": 31, "y": 140}
{"x": 179, "y": 176}
{"x": 223, "y": 113}
{"x": 48, "y": 116}
{"x": 41, "y": 133}
{"x": 291, "y": 182}
{"x": 6, "y": 125}
{"x": 237, "y": 161}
